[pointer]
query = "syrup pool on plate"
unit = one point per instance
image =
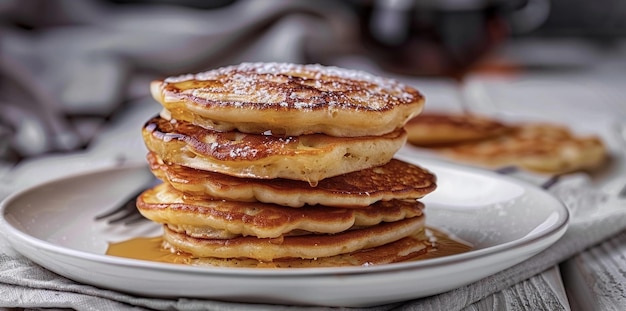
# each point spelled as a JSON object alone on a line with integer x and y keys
{"x": 440, "y": 244}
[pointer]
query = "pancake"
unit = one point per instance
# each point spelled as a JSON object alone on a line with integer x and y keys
{"x": 300, "y": 246}
{"x": 402, "y": 250}
{"x": 309, "y": 158}
{"x": 163, "y": 204}
{"x": 289, "y": 100}
{"x": 394, "y": 180}
{"x": 437, "y": 129}
{"x": 545, "y": 148}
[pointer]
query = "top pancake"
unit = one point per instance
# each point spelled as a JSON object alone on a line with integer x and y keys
{"x": 289, "y": 100}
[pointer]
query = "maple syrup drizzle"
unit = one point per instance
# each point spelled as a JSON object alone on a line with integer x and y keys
{"x": 151, "y": 249}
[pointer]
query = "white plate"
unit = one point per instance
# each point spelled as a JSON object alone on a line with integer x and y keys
{"x": 507, "y": 221}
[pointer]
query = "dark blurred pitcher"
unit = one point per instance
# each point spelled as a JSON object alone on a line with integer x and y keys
{"x": 436, "y": 37}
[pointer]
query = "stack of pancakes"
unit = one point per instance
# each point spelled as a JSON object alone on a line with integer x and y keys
{"x": 284, "y": 165}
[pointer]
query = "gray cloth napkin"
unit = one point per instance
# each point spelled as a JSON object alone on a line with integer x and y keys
{"x": 596, "y": 216}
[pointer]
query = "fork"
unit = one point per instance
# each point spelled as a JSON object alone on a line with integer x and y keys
{"x": 546, "y": 184}
{"x": 127, "y": 212}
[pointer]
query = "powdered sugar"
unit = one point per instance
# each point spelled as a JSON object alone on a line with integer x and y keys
{"x": 284, "y": 85}
{"x": 243, "y": 152}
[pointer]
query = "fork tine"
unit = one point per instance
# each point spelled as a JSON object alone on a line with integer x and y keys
{"x": 129, "y": 211}
{"x": 547, "y": 184}
{"x": 135, "y": 218}
{"x": 551, "y": 181}
{"x": 127, "y": 207}
{"x": 111, "y": 212}
{"x": 505, "y": 170}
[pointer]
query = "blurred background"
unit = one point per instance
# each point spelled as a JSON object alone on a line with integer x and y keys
{"x": 70, "y": 69}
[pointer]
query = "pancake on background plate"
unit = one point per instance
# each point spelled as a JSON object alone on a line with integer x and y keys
{"x": 440, "y": 129}
{"x": 544, "y": 148}
{"x": 479, "y": 140}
